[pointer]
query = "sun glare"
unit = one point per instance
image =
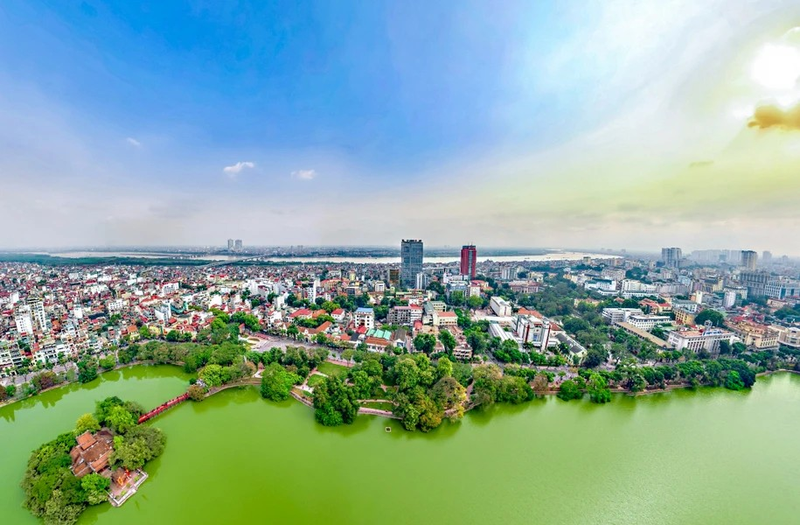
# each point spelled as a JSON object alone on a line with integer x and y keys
{"x": 777, "y": 67}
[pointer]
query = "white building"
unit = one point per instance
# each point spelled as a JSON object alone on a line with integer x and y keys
{"x": 707, "y": 338}
{"x": 365, "y": 317}
{"x": 788, "y": 335}
{"x": 531, "y": 329}
{"x": 51, "y": 353}
{"x": 24, "y": 320}
{"x": 500, "y": 307}
{"x": 620, "y": 315}
{"x": 37, "y": 312}
{"x": 647, "y": 322}
{"x": 114, "y": 306}
{"x": 495, "y": 330}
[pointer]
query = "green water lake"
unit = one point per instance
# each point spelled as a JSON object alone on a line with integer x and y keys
{"x": 702, "y": 456}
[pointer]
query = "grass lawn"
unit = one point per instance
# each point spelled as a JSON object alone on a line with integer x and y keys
{"x": 381, "y": 405}
{"x": 314, "y": 380}
{"x": 332, "y": 370}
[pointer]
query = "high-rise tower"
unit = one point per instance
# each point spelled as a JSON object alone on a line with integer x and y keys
{"x": 410, "y": 262}
{"x": 469, "y": 260}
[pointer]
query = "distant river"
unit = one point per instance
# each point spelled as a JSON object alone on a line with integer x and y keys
{"x": 556, "y": 256}
{"x": 706, "y": 456}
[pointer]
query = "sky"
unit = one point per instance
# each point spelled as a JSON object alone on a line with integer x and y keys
{"x": 592, "y": 124}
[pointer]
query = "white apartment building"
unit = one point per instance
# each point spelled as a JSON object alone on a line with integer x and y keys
{"x": 114, "y": 306}
{"x": 51, "y": 353}
{"x": 703, "y": 339}
{"x": 620, "y": 315}
{"x": 365, "y": 317}
{"x": 531, "y": 329}
{"x": 647, "y": 322}
{"x": 24, "y": 320}
{"x": 500, "y": 307}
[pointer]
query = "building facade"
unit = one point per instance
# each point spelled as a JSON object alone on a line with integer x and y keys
{"x": 411, "y": 252}
{"x": 469, "y": 260}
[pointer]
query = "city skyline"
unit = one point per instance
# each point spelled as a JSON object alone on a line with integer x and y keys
{"x": 176, "y": 124}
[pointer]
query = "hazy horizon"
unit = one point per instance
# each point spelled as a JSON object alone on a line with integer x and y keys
{"x": 631, "y": 125}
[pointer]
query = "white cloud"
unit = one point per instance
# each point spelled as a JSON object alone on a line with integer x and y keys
{"x": 304, "y": 174}
{"x": 234, "y": 170}
{"x": 133, "y": 142}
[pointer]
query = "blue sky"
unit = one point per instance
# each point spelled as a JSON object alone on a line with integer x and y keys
{"x": 365, "y": 122}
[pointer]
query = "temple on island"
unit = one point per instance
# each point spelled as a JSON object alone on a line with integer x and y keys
{"x": 92, "y": 453}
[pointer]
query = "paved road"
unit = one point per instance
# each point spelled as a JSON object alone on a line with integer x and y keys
{"x": 18, "y": 380}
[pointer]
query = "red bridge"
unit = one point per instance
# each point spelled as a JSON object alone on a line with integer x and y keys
{"x": 160, "y": 408}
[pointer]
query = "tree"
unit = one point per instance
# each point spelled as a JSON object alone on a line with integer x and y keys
{"x": 334, "y": 402}
{"x": 733, "y": 381}
{"x": 569, "y": 390}
{"x": 448, "y": 394}
{"x": 448, "y": 340}
{"x": 119, "y": 419}
{"x": 425, "y": 343}
{"x": 108, "y": 362}
{"x": 595, "y": 356}
{"x": 456, "y": 297}
{"x": 196, "y": 392}
{"x": 87, "y": 371}
{"x": 474, "y": 302}
{"x": 598, "y": 389}
{"x": 276, "y": 382}
{"x": 406, "y": 373}
{"x": 444, "y": 368}
{"x": 86, "y": 423}
{"x": 130, "y": 454}
{"x": 96, "y": 488}
{"x": 540, "y": 384}
{"x": 212, "y": 375}
{"x": 714, "y": 316}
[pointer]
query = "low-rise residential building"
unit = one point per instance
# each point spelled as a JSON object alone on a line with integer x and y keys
{"x": 365, "y": 317}
{"x": 404, "y": 315}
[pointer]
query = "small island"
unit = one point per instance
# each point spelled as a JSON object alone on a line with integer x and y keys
{"x": 100, "y": 460}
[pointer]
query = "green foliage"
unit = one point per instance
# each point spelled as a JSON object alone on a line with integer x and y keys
{"x": 119, "y": 419}
{"x": 276, "y": 382}
{"x": 96, "y": 488}
{"x": 196, "y": 392}
{"x": 141, "y": 444}
{"x": 598, "y": 389}
{"x": 335, "y": 403}
{"x": 86, "y": 423}
{"x": 447, "y": 339}
{"x": 108, "y": 362}
{"x": 87, "y": 371}
{"x": 714, "y": 316}
{"x": 569, "y": 390}
{"x": 508, "y": 352}
{"x": 733, "y": 381}
{"x": 425, "y": 343}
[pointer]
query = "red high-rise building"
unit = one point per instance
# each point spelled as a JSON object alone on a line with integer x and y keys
{"x": 469, "y": 260}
